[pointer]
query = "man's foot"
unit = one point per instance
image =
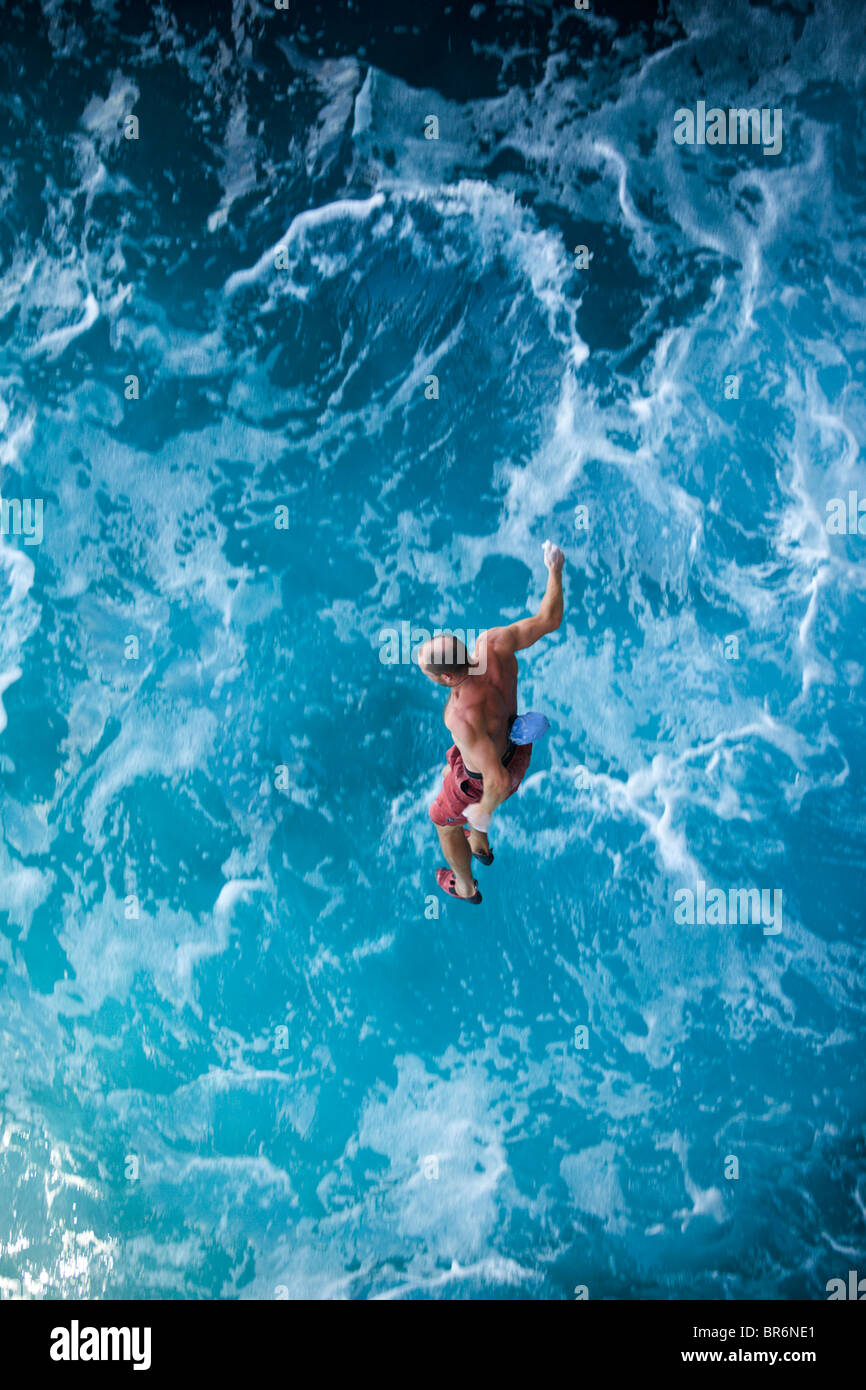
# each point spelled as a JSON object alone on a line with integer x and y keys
{"x": 448, "y": 883}
{"x": 479, "y": 845}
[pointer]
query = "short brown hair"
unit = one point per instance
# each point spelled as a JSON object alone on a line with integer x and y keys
{"x": 447, "y": 656}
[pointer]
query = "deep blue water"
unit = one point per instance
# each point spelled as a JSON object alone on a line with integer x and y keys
{"x": 242, "y": 1054}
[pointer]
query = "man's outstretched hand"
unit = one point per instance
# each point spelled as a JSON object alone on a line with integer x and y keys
{"x": 553, "y": 557}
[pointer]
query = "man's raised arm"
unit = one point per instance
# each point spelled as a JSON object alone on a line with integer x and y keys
{"x": 549, "y": 615}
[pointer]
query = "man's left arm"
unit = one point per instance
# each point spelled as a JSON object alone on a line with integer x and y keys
{"x": 481, "y": 751}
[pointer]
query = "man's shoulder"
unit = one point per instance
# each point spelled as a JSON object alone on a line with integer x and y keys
{"x": 498, "y": 640}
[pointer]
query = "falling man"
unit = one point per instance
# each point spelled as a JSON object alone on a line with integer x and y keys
{"x": 492, "y": 743}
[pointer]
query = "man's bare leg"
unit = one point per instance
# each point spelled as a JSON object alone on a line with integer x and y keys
{"x": 478, "y": 842}
{"x": 455, "y": 847}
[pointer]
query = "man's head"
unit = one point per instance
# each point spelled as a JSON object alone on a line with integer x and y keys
{"x": 445, "y": 659}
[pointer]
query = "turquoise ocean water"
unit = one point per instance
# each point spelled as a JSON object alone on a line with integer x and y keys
{"x": 245, "y": 1049}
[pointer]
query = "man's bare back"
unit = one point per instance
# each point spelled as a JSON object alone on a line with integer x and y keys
{"x": 485, "y": 704}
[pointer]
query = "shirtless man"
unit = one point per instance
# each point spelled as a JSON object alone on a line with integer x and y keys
{"x": 484, "y": 767}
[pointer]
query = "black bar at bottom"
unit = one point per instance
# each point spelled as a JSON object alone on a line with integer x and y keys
{"x": 160, "y": 1339}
